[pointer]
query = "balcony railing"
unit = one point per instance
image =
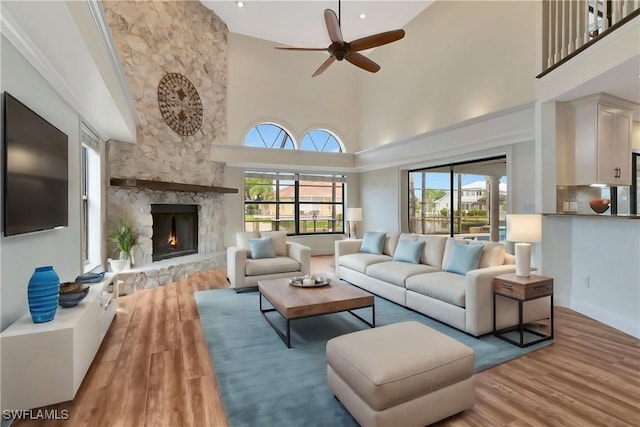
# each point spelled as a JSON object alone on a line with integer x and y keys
{"x": 570, "y": 26}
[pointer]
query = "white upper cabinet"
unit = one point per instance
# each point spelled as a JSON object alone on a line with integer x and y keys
{"x": 598, "y": 140}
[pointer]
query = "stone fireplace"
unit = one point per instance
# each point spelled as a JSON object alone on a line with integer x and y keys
{"x": 175, "y": 231}
{"x": 144, "y": 35}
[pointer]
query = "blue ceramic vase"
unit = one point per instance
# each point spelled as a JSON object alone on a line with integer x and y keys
{"x": 43, "y": 293}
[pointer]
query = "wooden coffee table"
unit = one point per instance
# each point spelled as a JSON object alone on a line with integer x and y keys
{"x": 293, "y": 302}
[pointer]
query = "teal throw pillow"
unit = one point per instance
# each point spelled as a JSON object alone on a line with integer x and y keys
{"x": 261, "y": 248}
{"x": 408, "y": 251}
{"x": 464, "y": 258}
{"x": 373, "y": 242}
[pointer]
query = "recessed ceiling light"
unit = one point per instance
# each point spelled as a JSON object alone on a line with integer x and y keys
{"x": 363, "y": 15}
{"x": 240, "y": 3}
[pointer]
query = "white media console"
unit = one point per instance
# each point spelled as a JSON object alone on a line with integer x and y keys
{"x": 45, "y": 363}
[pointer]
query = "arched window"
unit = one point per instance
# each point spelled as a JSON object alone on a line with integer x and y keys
{"x": 320, "y": 140}
{"x": 269, "y": 135}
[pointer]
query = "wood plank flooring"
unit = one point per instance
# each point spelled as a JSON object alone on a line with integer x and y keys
{"x": 153, "y": 369}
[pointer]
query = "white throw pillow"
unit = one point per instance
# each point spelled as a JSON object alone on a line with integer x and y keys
{"x": 242, "y": 240}
{"x": 493, "y": 255}
{"x": 279, "y": 241}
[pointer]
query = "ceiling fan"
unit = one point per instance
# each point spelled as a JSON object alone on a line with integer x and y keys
{"x": 339, "y": 49}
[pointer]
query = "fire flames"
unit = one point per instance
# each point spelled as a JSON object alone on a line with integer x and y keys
{"x": 172, "y": 241}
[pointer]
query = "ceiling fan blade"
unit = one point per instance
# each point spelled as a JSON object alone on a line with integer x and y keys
{"x": 303, "y": 48}
{"x": 363, "y": 62}
{"x": 324, "y": 66}
{"x": 376, "y": 40}
{"x": 333, "y": 26}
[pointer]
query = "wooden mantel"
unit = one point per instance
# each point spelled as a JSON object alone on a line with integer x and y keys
{"x": 168, "y": 186}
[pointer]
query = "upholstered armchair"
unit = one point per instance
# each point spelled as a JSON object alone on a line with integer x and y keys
{"x": 265, "y": 255}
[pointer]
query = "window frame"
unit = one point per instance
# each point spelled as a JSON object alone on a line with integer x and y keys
{"x": 91, "y": 198}
{"x": 449, "y": 168}
{"x": 296, "y": 203}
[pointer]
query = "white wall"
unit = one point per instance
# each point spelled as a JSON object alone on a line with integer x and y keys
{"x": 605, "y": 252}
{"x": 59, "y": 248}
{"x": 458, "y": 60}
{"x": 594, "y": 263}
{"x": 266, "y": 84}
{"x": 380, "y": 197}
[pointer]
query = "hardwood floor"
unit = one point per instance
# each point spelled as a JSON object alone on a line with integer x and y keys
{"x": 153, "y": 369}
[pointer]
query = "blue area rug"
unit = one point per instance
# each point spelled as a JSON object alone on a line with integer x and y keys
{"x": 263, "y": 383}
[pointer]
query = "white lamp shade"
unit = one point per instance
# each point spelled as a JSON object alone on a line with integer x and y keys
{"x": 354, "y": 214}
{"x": 524, "y": 228}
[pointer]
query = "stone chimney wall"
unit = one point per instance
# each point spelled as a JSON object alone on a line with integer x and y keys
{"x": 154, "y": 38}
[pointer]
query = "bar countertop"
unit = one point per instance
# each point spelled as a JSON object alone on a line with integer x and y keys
{"x": 594, "y": 215}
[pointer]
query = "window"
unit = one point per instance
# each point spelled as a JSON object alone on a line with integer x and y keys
{"x": 91, "y": 196}
{"x": 270, "y": 136}
{"x": 320, "y": 140}
{"x": 296, "y": 203}
{"x": 464, "y": 199}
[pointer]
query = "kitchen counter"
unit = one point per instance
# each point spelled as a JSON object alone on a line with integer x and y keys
{"x": 580, "y": 215}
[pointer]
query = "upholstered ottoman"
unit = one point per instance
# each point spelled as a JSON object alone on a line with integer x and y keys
{"x": 404, "y": 374}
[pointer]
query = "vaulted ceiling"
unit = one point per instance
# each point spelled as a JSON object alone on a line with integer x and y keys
{"x": 301, "y": 23}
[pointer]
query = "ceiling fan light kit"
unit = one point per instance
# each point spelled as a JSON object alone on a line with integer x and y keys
{"x": 339, "y": 49}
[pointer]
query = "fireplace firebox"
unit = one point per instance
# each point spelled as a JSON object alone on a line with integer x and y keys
{"x": 175, "y": 230}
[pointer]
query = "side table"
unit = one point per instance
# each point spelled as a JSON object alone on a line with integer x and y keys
{"x": 522, "y": 289}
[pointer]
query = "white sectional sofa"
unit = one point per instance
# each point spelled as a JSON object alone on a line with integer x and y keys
{"x": 464, "y": 301}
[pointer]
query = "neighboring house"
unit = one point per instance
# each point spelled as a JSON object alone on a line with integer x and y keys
{"x": 473, "y": 197}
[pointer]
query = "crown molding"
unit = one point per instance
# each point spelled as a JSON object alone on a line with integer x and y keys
{"x": 510, "y": 126}
{"x": 102, "y": 27}
{"x": 16, "y": 35}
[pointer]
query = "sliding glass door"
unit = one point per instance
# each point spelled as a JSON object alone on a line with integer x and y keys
{"x": 467, "y": 200}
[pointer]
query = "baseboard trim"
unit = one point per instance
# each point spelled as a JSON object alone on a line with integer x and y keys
{"x": 610, "y": 319}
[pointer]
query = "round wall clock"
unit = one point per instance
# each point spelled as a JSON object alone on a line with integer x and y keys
{"x": 180, "y": 104}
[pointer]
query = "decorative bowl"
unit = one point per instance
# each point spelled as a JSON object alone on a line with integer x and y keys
{"x": 314, "y": 282}
{"x": 600, "y": 206}
{"x": 72, "y": 293}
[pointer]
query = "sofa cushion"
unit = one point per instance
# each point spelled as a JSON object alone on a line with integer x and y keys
{"x": 242, "y": 240}
{"x": 464, "y": 258}
{"x": 261, "y": 248}
{"x": 373, "y": 242}
{"x": 447, "y": 248}
{"x": 360, "y": 261}
{"x": 396, "y": 272}
{"x": 279, "y": 241}
{"x": 259, "y": 267}
{"x": 408, "y": 251}
{"x": 390, "y": 243}
{"x": 493, "y": 254}
{"x": 441, "y": 285}
{"x": 433, "y": 251}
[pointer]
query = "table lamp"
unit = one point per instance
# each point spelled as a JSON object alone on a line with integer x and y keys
{"x": 354, "y": 215}
{"x": 524, "y": 230}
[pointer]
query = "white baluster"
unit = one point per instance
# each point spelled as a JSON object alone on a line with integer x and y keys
{"x": 563, "y": 32}
{"x": 572, "y": 21}
{"x": 586, "y": 21}
{"x": 616, "y": 10}
{"x": 605, "y": 20}
{"x": 579, "y": 22}
{"x": 550, "y": 5}
{"x": 556, "y": 44}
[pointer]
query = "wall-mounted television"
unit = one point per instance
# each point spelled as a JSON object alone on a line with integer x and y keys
{"x": 35, "y": 171}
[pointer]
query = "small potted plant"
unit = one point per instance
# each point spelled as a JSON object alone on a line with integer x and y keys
{"x": 124, "y": 239}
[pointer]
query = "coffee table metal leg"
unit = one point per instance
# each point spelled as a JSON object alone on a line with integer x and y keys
{"x": 288, "y": 333}
{"x": 373, "y": 316}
